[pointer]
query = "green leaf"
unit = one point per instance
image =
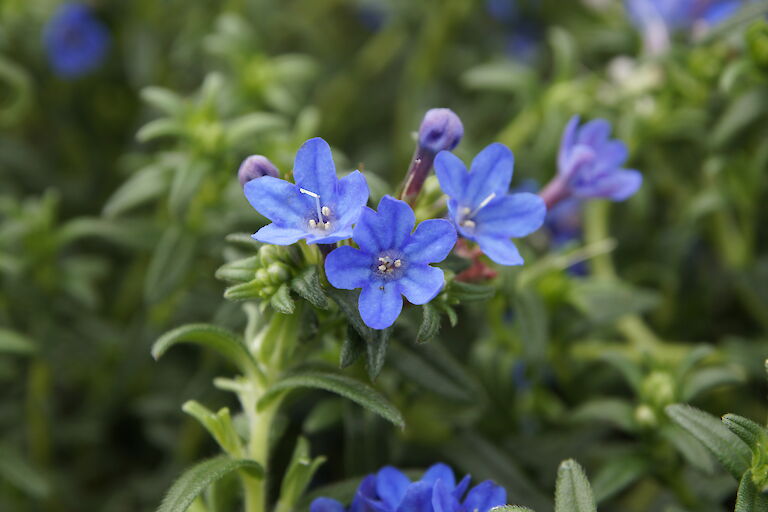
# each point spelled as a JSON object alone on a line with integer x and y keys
{"x": 511, "y": 508}
{"x": 618, "y": 474}
{"x": 239, "y": 271}
{"x": 469, "y": 292}
{"x": 749, "y": 498}
{"x": 12, "y": 342}
{"x": 163, "y": 127}
{"x": 692, "y": 450}
{"x": 169, "y": 264}
{"x": 19, "y": 473}
{"x": 307, "y": 286}
{"x": 282, "y": 301}
{"x": 731, "y": 451}
{"x": 745, "y": 110}
{"x": 434, "y": 370}
{"x": 197, "y": 478}
{"x": 162, "y": 99}
{"x": 249, "y": 125}
{"x": 747, "y": 430}
{"x": 531, "y": 319}
{"x": 352, "y": 348}
{"x": 347, "y": 387}
{"x": 187, "y": 181}
{"x": 708, "y": 378}
{"x": 219, "y": 425}
{"x": 606, "y": 301}
{"x": 376, "y": 341}
{"x": 572, "y": 490}
{"x": 430, "y": 324}
{"x": 144, "y": 185}
{"x": 223, "y": 341}
{"x": 611, "y": 410}
{"x": 298, "y": 475}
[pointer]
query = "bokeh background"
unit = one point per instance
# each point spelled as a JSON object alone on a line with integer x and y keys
{"x": 123, "y": 125}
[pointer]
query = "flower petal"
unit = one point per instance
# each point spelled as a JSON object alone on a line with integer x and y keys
{"x": 594, "y": 133}
{"x": 326, "y": 505}
{"x": 397, "y": 220}
{"x": 421, "y": 283}
{"x": 431, "y": 242}
{"x": 442, "y": 499}
{"x": 348, "y": 268}
{"x": 513, "y": 216}
{"x": 461, "y": 487}
{"x": 391, "y": 485}
{"x": 313, "y": 169}
{"x": 365, "y": 492}
{"x": 566, "y": 143}
{"x": 278, "y": 200}
{"x": 500, "y": 250}
{"x": 440, "y": 471}
{"x": 276, "y": 235}
{"x": 581, "y": 157}
{"x": 367, "y": 232}
{"x": 418, "y": 498}
{"x": 612, "y": 154}
{"x": 451, "y": 173}
{"x": 484, "y": 496}
{"x": 351, "y": 196}
{"x": 617, "y": 185}
{"x": 490, "y": 173}
{"x": 380, "y": 304}
{"x": 335, "y": 236}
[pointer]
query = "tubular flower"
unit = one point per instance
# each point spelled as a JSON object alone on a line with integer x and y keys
{"x": 392, "y": 260}
{"x": 318, "y": 208}
{"x": 75, "y": 40}
{"x": 390, "y": 490}
{"x": 589, "y": 165}
{"x": 481, "y": 207}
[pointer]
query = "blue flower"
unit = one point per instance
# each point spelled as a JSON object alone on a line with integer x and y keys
{"x": 75, "y": 40}
{"x": 480, "y": 205}
{"x": 390, "y": 490}
{"x": 319, "y": 208}
{"x": 391, "y": 261}
{"x": 441, "y": 129}
{"x": 589, "y": 164}
{"x": 564, "y": 221}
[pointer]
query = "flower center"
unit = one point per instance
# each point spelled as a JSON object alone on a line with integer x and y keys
{"x": 323, "y": 219}
{"x": 389, "y": 265}
{"x": 466, "y": 214}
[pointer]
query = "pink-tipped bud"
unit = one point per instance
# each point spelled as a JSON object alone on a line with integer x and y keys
{"x": 256, "y": 166}
{"x": 440, "y": 130}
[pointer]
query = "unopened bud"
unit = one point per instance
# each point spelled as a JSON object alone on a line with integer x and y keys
{"x": 278, "y": 273}
{"x": 262, "y": 276}
{"x": 256, "y": 166}
{"x": 440, "y": 130}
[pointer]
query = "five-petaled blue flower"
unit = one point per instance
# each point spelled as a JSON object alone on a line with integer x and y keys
{"x": 589, "y": 163}
{"x": 391, "y": 261}
{"x": 390, "y": 490}
{"x": 481, "y": 206}
{"x": 75, "y": 40}
{"x": 319, "y": 208}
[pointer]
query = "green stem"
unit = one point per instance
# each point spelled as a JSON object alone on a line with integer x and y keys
{"x": 255, "y": 489}
{"x": 596, "y": 229}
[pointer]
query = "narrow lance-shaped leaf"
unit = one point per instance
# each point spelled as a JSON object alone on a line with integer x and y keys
{"x": 297, "y": 477}
{"x": 223, "y": 341}
{"x": 197, "y": 478}
{"x": 749, "y": 499}
{"x": 347, "y": 387}
{"x": 747, "y": 430}
{"x": 572, "y": 490}
{"x": 731, "y": 451}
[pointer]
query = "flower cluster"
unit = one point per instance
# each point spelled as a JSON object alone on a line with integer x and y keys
{"x": 75, "y": 40}
{"x": 389, "y": 490}
{"x": 394, "y": 257}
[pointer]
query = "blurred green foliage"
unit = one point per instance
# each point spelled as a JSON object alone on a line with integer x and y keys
{"x": 118, "y": 191}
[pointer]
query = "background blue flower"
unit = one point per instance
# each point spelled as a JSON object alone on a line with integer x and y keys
{"x": 390, "y": 490}
{"x": 480, "y": 205}
{"x": 590, "y": 163}
{"x": 75, "y": 40}
{"x": 391, "y": 261}
{"x": 319, "y": 208}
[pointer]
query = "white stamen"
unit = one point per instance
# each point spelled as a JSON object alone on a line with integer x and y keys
{"x": 398, "y": 263}
{"x": 466, "y": 210}
{"x": 325, "y": 211}
{"x": 483, "y": 204}
{"x": 326, "y": 225}
{"x": 382, "y": 268}
{"x": 317, "y": 202}
{"x": 312, "y": 223}
{"x": 469, "y": 224}
{"x": 382, "y": 260}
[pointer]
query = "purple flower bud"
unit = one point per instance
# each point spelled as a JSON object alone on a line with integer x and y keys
{"x": 440, "y": 130}
{"x": 256, "y": 166}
